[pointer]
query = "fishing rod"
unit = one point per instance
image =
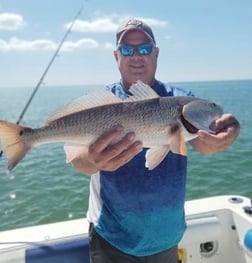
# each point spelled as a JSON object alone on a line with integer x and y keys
{"x": 47, "y": 68}
{"x": 49, "y": 65}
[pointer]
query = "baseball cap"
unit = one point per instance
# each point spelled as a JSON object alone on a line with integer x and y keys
{"x": 134, "y": 24}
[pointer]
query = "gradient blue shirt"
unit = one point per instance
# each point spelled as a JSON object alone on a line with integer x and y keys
{"x": 141, "y": 211}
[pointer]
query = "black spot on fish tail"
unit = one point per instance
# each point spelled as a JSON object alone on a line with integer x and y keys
{"x": 25, "y": 130}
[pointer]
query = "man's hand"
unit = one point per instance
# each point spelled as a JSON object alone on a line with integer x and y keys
{"x": 109, "y": 156}
{"x": 108, "y": 152}
{"x": 227, "y": 129}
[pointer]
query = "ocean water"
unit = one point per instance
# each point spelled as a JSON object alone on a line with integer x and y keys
{"x": 44, "y": 189}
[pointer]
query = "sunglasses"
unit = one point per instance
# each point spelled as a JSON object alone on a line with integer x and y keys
{"x": 128, "y": 50}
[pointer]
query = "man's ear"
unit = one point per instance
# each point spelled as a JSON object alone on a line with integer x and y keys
{"x": 116, "y": 55}
{"x": 157, "y": 51}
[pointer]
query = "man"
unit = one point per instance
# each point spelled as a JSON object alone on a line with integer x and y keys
{"x": 136, "y": 214}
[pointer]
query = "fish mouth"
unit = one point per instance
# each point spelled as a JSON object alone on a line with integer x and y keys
{"x": 189, "y": 127}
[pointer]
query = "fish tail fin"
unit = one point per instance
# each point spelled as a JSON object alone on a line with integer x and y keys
{"x": 12, "y": 144}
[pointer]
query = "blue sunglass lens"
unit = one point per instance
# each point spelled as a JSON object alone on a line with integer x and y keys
{"x": 145, "y": 49}
{"x": 127, "y": 50}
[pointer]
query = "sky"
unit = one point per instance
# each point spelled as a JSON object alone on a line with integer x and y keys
{"x": 199, "y": 40}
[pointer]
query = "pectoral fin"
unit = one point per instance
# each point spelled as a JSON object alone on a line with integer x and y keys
{"x": 154, "y": 156}
{"x": 178, "y": 144}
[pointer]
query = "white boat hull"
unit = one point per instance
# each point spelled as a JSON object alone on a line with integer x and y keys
{"x": 217, "y": 228}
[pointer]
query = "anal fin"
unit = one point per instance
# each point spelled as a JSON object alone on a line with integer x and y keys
{"x": 73, "y": 151}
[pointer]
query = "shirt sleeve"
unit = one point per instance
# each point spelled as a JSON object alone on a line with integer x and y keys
{"x": 181, "y": 92}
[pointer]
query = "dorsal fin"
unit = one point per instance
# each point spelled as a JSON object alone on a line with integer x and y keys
{"x": 141, "y": 91}
{"x": 85, "y": 102}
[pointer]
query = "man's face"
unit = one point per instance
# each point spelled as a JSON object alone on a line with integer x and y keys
{"x": 136, "y": 67}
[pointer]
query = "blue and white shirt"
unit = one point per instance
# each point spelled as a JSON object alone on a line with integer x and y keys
{"x": 141, "y": 211}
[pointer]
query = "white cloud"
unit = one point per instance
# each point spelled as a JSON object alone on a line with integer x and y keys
{"x": 109, "y": 24}
{"x": 11, "y": 22}
{"x": 81, "y": 43}
{"x": 15, "y": 44}
{"x": 154, "y": 22}
{"x": 99, "y": 25}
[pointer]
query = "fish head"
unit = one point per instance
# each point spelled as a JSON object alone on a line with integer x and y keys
{"x": 200, "y": 115}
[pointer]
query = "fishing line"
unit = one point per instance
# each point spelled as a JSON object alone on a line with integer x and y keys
{"x": 48, "y": 67}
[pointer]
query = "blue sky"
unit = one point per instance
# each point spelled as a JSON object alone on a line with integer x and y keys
{"x": 198, "y": 40}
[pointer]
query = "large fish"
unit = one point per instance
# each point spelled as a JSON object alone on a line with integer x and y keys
{"x": 161, "y": 123}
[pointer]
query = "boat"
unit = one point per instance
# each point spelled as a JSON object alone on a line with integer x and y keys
{"x": 219, "y": 230}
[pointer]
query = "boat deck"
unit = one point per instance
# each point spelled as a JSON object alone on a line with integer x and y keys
{"x": 217, "y": 231}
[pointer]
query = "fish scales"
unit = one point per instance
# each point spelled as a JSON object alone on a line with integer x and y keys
{"x": 148, "y": 119}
